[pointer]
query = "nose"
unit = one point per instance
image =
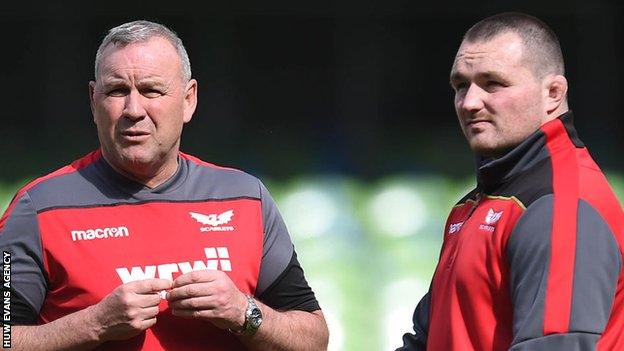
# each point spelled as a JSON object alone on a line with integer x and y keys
{"x": 133, "y": 106}
{"x": 472, "y": 99}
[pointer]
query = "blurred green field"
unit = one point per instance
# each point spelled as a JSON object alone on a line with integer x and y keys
{"x": 368, "y": 248}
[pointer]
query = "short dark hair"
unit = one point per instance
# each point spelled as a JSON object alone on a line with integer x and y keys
{"x": 540, "y": 41}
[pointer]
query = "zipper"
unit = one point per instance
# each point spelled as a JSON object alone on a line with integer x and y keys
{"x": 478, "y": 197}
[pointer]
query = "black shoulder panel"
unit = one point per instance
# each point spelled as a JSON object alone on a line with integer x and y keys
{"x": 530, "y": 185}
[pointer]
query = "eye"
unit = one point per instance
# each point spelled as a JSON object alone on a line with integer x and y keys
{"x": 460, "y": 86}
{"x": 493, "y": 85}
{"x": 117, "y": 92}
{"x": 151, "y": 93}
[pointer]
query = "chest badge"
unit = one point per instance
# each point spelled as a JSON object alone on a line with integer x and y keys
{"x": 214, "y": 222}
{"x": 490, "y": 219}
{"x": 493, "y": 217}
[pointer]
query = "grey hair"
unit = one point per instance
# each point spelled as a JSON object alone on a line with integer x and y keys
{"x": 140, "y": 32}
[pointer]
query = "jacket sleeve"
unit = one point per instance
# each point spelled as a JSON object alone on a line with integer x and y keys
{"x": 418, "y": 340}
{"x": 547, "y": 315}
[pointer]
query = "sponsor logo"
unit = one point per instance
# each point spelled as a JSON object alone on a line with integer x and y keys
{"x": 100, "y": 233}
{"x": 490, "y": 219}
{"x": 455, "y": 227}
{"x": 217, "y": 258}
{"x": 214, "y": 221}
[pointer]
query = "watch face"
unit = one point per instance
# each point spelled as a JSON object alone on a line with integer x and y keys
{"x": 255, "y": 317}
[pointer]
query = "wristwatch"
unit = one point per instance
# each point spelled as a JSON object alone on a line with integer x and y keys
{"x": 253, "y": 318}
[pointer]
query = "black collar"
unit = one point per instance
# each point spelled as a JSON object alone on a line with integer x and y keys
{"x": 492, "y": 173}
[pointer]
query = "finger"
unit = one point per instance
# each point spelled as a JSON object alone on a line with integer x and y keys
{"x": 202, "y": 276}
{"x": 148, "y": 286}
{"x": 189, "y": 291}
{"x": 195, "y": 303}
{"x": 150, "y": 300}
{"x": 194, "y": 313}
{"x": 150, "y": 312}
{"x": 148, "y": 323}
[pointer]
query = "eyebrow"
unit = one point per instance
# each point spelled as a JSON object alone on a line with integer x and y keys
{"x": 142, "y": 82}
{"x": 458, "y": 77}
{"x": 151, "y": 82}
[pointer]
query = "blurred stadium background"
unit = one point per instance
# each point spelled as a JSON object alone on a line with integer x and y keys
{"x": 342, "y": 108}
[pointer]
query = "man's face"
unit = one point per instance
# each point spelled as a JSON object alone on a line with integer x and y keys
{"x": 139, "y": 104}
{"x": 498, "y": 99}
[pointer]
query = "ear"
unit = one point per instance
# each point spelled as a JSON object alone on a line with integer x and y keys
{"x": 190, "y": 100}
{"x": 92, "y": 97}
{"x": 555, "y": 94}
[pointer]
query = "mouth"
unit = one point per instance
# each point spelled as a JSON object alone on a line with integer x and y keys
{"x": 477, "y": 122}
{"x": 134, "y": 132}
{"x": 135, "y": 135}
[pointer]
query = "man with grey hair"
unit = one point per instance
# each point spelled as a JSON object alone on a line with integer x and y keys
{"x": 138, "y": 246}
{"x": 532, "y": 257}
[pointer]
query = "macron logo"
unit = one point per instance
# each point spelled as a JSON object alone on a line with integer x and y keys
{"x": 103, "y": 233}
{"x": 218, "y": 258}
{"x": 214, "y": 221}
{"x": 455, "y": 227}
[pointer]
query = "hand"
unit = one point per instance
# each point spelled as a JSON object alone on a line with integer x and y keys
{"x": 209, "y": 295}
{"x": 129, "y": 309}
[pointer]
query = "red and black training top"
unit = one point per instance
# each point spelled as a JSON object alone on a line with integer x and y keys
{"x": 532, "y": 258}
{"x": 78, "y": 233}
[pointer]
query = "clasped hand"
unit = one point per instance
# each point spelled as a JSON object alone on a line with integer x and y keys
{"x": 132, "y": 307}
{"x": 209, "y": 295}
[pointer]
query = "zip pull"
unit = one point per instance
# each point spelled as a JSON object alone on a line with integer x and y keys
{"x": 478, "y": 198}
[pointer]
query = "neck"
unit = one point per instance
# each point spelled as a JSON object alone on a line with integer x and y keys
{"x": 563, "y": 108}
{"x": 150, "y": 175}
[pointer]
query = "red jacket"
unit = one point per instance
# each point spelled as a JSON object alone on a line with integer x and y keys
{"x": 532, "y": 258}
